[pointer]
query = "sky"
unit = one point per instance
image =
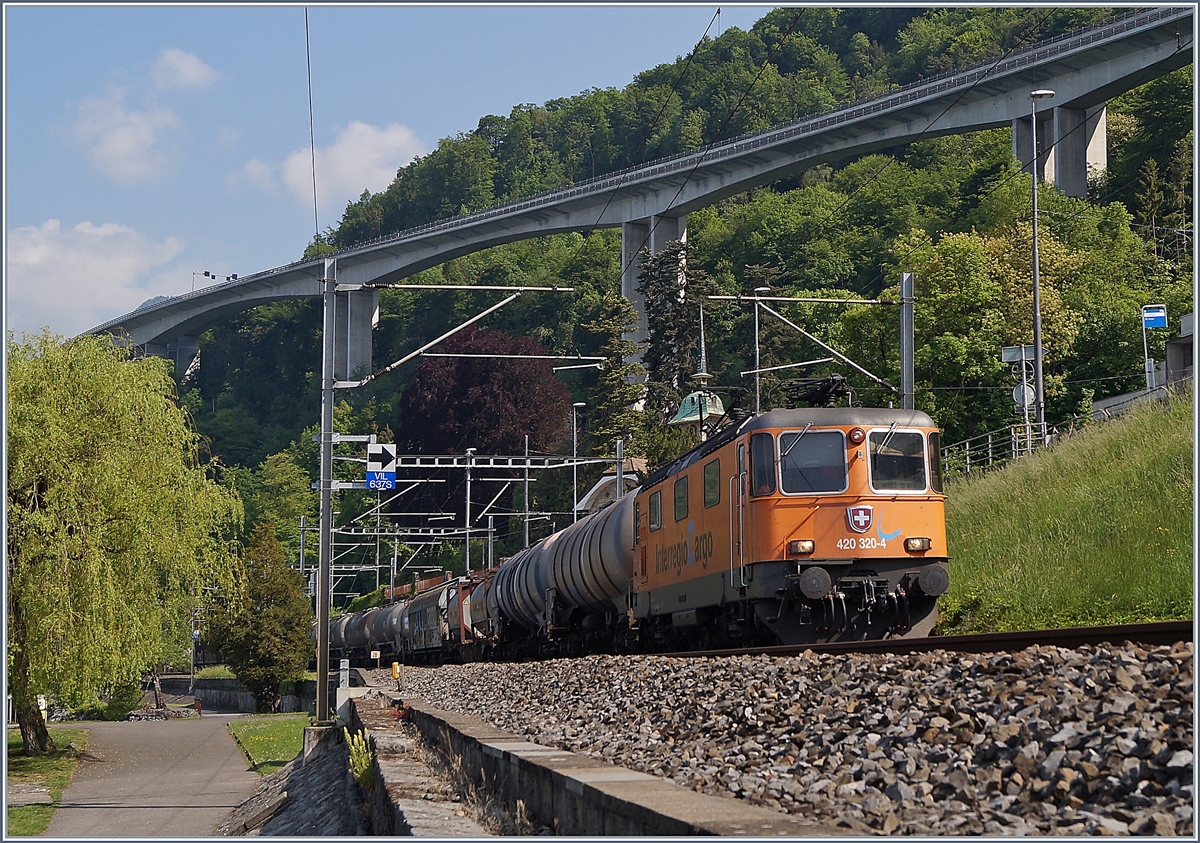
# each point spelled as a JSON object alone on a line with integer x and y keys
{"x": 146, "y": 145}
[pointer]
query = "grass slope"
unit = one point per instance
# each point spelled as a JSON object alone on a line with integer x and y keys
{"x": 269, "y": 741}
{"x": 1096, "y": 530}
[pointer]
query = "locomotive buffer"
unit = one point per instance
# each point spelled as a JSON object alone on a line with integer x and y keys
{"x": 381, "y": 466}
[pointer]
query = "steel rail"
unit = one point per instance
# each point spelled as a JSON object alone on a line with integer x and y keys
{"x": 1150, "y": 634}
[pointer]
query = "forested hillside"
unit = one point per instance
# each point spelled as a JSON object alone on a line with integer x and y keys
{"x": 954, "y": 210}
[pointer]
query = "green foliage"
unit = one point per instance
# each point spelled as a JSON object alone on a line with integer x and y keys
{"x": 1096, "y": 530}
{"x": 954, "y": 209}
{"x": 618, "y": 387}
{"x": 366, "y": 601}
{"x": 269, "y": 742}
{"x": 114, "y": 526}
{"x": 264, "y": 633}
{"x": 124, "y": 698}
{"x": 362, "y": 758}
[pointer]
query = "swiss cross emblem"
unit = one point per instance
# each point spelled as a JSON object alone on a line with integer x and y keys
{"x": 859, "y": 518}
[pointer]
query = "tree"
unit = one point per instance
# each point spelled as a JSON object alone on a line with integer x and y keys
{"x": 114, "y": 526}
{"x": 613, "y": 415}
{"x": 453, "y": 403}
{"x": 674, "y": 288}
{"x": 265, "y": 633}
{"x": 284, "y": 494}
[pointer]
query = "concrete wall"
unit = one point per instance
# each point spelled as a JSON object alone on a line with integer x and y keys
{"x": 231, "y": 695}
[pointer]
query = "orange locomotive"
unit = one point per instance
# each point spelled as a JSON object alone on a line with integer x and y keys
{"x": 796, "y": 526}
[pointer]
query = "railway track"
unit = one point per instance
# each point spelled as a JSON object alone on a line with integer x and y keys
{"x": 1150, "y": 634}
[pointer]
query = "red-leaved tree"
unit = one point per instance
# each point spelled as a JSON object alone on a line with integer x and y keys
{"x": 490, "y": 404}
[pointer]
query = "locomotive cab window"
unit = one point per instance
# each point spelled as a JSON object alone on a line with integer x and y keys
{"x": 656, "y": 510}
{"x": 812, "y": 462}
{"x": 762, "y": 464}
{"x": 681, "y": 498}
{"x": 897, "y": 461}
{"x": 712, "y": 483}
{"x": 935, "y": 461}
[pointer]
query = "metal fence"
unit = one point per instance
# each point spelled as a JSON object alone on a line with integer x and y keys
{"x": 997, "y": 447}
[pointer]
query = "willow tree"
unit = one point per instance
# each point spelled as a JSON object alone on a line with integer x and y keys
{"x": 115, "y": 528}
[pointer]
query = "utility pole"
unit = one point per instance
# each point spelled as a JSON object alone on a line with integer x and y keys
{"x": 757, "y": 364}
{"x": 908, "y": 388}
{"x": 526, "y": 490}
{"x": 620, "y": 469}
{"x": 328, "y": 295}
{"x": 470, "y": 454}
{"x": 574, "y": 458}
{"x": 1039, "y": 385}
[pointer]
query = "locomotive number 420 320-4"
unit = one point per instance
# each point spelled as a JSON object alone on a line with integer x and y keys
{"x": 860, "y": 543}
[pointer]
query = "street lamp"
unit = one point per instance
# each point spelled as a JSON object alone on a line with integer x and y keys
{"x": 212, "y": 275}
{"x": 1038, "y": 382}
{"x": 757, "y": 402}
{"x": 575, "y": 408}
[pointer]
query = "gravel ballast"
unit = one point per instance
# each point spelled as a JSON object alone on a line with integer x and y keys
{"x": 1095, "y": 740}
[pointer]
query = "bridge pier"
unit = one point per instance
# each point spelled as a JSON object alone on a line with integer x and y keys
{"x": 356, "y": 316}
{"x": 1073, "y": 145}
{"x": 655, "y": 232}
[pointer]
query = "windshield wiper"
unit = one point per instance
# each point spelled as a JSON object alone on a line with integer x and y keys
{"x": 794, "y": 441}
{"x": 876, "y": 452}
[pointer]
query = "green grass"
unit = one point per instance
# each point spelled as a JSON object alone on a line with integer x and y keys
{"x": 270, "y": 741}
{"x": 1095, "y": 530}
{"x": 53, "y": 770}
{"x": 215, "y": 671}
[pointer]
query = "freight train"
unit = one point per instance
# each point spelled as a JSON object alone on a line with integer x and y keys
{"x": 791, "y": 527}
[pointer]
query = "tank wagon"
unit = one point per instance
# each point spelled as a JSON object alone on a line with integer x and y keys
{"x": 794, "y": 526}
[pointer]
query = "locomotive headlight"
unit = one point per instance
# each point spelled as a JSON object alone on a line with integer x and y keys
{"x": 917, "y": 545}
{"x": 857, "y": 435}
{"x": 801, "y": 547}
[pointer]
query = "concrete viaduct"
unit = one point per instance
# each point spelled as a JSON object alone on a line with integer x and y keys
{"x": 651, "y": 202}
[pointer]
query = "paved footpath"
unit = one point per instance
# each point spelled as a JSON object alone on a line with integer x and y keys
{"x": 178, "y": 778}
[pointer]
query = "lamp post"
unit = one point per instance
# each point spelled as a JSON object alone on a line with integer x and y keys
{"x": 1039, "y": 385}
{"x": 212, "y": 275}
{"x": 575, "y": 408}
{"x": 757, "y": 401}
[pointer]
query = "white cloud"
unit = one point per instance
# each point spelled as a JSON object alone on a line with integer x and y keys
{"x": 76, "y": 278}
{"x": 180, "y": 70}
{"x": 362, "y": 156}
{"x": 256, "y": 173}
{"x": 228, "y": 136}
{"x": 123, "y": 143}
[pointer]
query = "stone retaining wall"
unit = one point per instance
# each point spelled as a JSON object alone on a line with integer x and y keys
{"x": 576, "y": 795}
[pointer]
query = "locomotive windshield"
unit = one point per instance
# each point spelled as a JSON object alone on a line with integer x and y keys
{"x": 813, "y": 462}
{"x": 897, "y": 461}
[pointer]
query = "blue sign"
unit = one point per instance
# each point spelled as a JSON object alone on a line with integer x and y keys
{"x": 381, "y": 480}
{"x": 1154, "y": 316}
